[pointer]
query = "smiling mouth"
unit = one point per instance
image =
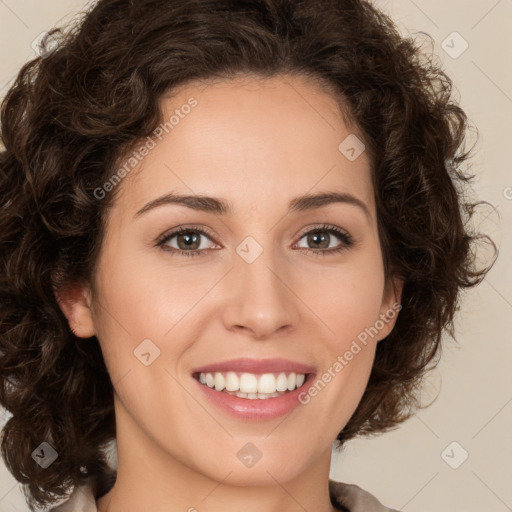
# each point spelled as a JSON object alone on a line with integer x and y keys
{"x": 251, "y": 385}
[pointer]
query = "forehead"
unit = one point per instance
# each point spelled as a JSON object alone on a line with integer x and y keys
{"x": 251, "y": 140}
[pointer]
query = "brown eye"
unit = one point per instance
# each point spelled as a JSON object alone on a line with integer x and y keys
{"x": 319, "y": 240}
{"x": 189, "y": 241}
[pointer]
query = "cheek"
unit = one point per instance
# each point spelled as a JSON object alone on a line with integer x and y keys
{"x": 349, "y": 299}
{"x": 146, "y": 296}
{"x": 142, "y": 299}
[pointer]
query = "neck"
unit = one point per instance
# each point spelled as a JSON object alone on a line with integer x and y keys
{"x": 150, "y": 478}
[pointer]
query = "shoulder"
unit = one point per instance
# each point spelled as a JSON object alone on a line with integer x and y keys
{"x": 81, "y": 500}
{"x": 351, "y": 498}
{"x": 345, "y": 497}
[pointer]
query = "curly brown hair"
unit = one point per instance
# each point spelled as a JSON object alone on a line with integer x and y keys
{"x": 74, "y": 112}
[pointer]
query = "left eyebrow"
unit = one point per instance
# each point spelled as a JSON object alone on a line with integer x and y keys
{"x": 313, "y": 201}
{"x": 222, "y": 207}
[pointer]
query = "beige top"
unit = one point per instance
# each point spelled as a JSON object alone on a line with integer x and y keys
{"x": 345, "y": 497}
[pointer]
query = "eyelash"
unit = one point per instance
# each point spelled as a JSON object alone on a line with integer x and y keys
{"x": 347, "y": 240}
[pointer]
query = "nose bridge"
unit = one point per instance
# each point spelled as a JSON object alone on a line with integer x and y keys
{"x": 260, "y": 299}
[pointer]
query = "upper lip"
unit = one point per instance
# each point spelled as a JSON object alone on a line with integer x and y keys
{"x": 249, "y": 365}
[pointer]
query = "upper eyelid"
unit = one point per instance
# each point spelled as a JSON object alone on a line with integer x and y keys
{"x": 176, "y": 231}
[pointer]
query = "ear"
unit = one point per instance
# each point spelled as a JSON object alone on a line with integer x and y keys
{"x": 75, "y": 302}
{"x": 390, "y": 307}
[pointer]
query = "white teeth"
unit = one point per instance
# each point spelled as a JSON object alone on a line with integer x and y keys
{"x": 267, "y": 383}
{"x": 292, "y": 379}
{"x": 253, "y": 386}
{"x": 219, "y": 382}
{"x": 253, "y": 396}
{"x": 282, "y": 382}
{"x": 232, "y": 381}
{"x": 248, "y": 383}
{"x": 210, "y": 382}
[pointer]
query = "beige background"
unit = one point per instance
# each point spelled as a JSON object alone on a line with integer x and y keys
{"x": 407, "y": 468}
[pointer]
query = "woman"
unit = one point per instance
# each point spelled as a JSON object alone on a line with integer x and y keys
{"x": 231, "y": 234}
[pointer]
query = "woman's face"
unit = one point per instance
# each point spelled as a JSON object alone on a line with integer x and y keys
{"x": 261, "y": 284}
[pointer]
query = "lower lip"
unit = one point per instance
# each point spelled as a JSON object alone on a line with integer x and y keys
{"x": 256, "y": 409}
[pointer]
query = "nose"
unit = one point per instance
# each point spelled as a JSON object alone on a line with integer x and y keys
{"x": 261, "y": 301}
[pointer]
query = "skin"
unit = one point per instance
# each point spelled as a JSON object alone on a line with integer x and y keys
{"x": 257, "y": 144}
